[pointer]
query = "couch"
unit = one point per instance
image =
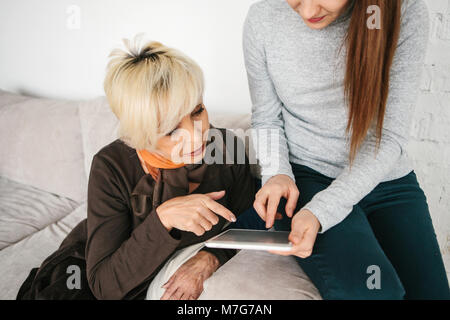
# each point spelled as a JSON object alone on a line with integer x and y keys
{"x": 46, "y": 149}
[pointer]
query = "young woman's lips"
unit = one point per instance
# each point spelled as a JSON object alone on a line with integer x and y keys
{"x": 315, "y": 20}
{"x": 197, "y": 152}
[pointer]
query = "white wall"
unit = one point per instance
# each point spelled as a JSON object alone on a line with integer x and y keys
{"x": 430, "y": 136}
{"x": 43, "y": 53}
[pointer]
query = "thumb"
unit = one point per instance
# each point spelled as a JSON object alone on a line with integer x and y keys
{"x": 295, "y": 237}
{"x": 216, "y": 195}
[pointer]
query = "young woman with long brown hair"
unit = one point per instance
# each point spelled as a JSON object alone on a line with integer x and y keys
{"x": 335, "y": 83}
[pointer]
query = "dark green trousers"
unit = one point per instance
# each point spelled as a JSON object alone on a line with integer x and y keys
{"x": 386, "y": 248}
{"x": 387, "y": 241}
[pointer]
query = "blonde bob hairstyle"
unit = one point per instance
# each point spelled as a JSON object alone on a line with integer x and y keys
{"x": 150, "y": 89}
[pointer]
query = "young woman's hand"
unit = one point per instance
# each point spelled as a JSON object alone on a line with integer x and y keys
{"x": 187, "y": 282}
{"x": 304, "y": 229}
{"x": 195, "y": 212}
{"x": 268, "y": 198}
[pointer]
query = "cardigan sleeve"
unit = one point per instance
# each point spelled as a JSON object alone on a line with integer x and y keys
{"x": 241, "y": 195}
{"x": 118, "y": 258}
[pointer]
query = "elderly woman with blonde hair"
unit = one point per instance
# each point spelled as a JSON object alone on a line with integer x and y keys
{"x": 154, "y": 191}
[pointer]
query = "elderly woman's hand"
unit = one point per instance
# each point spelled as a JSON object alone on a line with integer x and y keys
{"x": 196, "y": 213}
{"x": 187, "y": 282}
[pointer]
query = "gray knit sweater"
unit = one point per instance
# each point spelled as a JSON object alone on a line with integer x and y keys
{"x": 295, "y": 76}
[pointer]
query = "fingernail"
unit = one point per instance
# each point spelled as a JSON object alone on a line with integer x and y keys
{"x": 233, "y": 218}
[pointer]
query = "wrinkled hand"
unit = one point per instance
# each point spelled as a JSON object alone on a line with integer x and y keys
{"x": 187, "y": 282}
{"x": 304, "y": 229}
{"x": 268, "y": 198}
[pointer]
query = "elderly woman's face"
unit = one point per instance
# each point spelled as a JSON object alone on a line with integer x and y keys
{"x": 318, "y": 14}
{"x": 187, "y": 143}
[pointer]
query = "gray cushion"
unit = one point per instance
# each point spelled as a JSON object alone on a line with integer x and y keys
{"x": 17, "y": 260}
{"x": 259, "y": 275}
{"x": 25, "y": 210}
{"x": 40, "y": 144}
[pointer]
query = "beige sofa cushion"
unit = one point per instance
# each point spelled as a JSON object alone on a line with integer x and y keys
{"x": 8, "y": 98}
{"x": 259, "y": 275}
{"x": 40, "y": 144}
{"x": 17, "y": 260}
{"x": 25, "y": 210}
{"x": 99, "y": 127}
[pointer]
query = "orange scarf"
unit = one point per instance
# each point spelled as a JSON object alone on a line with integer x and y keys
{"x": 153, "y": 162}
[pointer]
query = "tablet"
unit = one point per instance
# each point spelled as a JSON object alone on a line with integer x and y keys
{"x": 251, "y": 240}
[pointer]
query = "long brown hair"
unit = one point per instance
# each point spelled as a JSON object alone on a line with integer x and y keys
{"x": 370, "y": 53}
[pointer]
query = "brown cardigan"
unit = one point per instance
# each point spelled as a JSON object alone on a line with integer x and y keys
{"x": 125, "y": 242}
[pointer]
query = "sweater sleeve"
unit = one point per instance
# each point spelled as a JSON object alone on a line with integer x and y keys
{"x": 118, "y": 258}
{"x": 268, "y": 135}
{"x": 333, "y": 204}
